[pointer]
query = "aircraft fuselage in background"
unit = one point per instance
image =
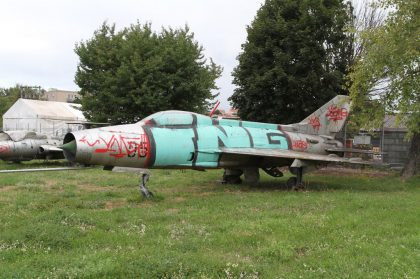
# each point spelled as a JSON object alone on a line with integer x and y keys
{"x": 17, "y": 146}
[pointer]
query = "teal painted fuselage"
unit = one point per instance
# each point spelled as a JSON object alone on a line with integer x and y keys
{"x": 195, "y": 141}
{"x": 172, "y": 139}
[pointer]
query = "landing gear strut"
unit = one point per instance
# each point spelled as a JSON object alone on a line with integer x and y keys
{"x": 143, "y": 189}
{"x": 296, "y": 183}
{"x": 232, "y": 176}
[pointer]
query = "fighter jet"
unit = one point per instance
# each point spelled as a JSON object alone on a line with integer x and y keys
{"x": 17, "y": 146}
{"x": 179, "y": 139}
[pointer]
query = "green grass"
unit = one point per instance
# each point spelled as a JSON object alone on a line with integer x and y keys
{"x": 94, "y": 224}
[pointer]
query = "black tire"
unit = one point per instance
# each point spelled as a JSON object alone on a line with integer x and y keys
{"x": 291, "y": 182}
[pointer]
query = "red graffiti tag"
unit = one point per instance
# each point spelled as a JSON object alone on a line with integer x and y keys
{"x": 4, "y": 148}
{"x": 314, "y": 122}
{"x": 335, "y": 113}
{"x": 84, "y": 140}
{"x": 120, "y": 146}
{"x": 299, "y": 144}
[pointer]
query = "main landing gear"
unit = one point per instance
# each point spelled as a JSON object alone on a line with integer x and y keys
{"x": 296, "y": 183}
{"x": 233, "y": 176}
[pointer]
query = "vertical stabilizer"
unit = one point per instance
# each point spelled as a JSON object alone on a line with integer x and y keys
{"x": 328, "y": 119}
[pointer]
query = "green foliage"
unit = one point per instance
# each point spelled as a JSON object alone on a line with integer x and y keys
{"x": 364, "y": 225}
{"x": 387, "y": 75}
{"x": 294, "y": 59}
{"x": 7, "y": 98}
{"x": 127, "y": 75}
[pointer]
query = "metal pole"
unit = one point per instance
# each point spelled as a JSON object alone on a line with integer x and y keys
{"x": 382, "y": 140}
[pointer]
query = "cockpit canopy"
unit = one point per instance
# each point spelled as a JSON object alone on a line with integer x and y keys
{"x": 176, "y": 118}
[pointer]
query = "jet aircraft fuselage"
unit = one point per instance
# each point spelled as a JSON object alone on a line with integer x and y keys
{"x": 179, "y": 139}
{"x": 176, "y": 139}
{"x": 17, "y": 146}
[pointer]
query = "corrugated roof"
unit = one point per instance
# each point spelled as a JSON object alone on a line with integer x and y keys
{"x": 391, "y": 123}
{"x": 52, "y": 110}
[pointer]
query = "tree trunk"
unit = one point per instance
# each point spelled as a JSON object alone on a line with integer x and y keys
{"x": 413, "y": 164}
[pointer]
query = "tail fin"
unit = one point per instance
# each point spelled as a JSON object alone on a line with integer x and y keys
{"x": 328, "y": 119}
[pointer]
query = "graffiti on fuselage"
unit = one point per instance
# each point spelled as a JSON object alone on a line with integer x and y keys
{"x": 314, "y": 122}
{"x": 4, "y": 148}
{"x": 299, "y": 144}
{"x": 336, "y": 113}
{"x": 119, "y": 146}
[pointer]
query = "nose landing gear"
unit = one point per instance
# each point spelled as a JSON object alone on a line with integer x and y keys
{"x": 143, "y": 189}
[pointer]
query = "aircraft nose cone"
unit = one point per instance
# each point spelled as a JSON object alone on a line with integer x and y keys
{"x": 70, "y": 147}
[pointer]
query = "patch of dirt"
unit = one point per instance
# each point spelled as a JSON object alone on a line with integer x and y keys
{"x": 201, "y": 191}
{"x": 179, "y": 199}
{"x": 301, "y": 251}
{"x": 336, "y": 171}
{"x": 204, "y": 194}
{"x": 109, "y": 205}
{"x": 7, "y": 188}
{"x": 51, "y": 186}
{"x": 173, "y": 210}
{"x": 93, "y": 188}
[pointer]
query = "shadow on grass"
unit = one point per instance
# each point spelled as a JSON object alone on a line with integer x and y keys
{"x": 138, "y": 198}
{"x": 325, "y": 184}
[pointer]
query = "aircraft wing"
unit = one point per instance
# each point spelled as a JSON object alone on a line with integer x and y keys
{"x": 353, "y": 150}
{"x": 290, "y": 154}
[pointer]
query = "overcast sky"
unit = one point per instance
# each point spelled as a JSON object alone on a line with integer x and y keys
{"x": 38, "y": 37}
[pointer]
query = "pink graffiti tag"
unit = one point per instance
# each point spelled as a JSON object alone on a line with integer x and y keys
{"x": 299, "y": 144}
{"x": 335, "y": 113}
{"x": 120, "y": 146}
{"x": 4, "y": 148}
{"x": 314, "y": 122}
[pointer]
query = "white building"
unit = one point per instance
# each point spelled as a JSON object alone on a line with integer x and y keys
{"x": 61, "y": 95}
{"x": 51, "y": 118}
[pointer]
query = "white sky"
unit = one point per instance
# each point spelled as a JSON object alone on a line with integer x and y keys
{"x": 38, "y": 37}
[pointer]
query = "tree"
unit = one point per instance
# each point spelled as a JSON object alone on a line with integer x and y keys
{"x": 127, "y": 75}
{"x": 366, "y": 16}
{"x": 387, "y": 75}
{"x": 8, "y": 96}
{"x": 293, "y": 61}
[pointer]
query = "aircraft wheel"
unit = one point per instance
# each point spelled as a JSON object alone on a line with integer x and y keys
{"x": 231, "y": 179}
{"x": 299, "y": 187}
{"x": 291, "y": 182}
{"x": 232, "y": 176}
{"x": 252, "y": 175}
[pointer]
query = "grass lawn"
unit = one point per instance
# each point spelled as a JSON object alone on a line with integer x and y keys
{"x": 94, "y": 224}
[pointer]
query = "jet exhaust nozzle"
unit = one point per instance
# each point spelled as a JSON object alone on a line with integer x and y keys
{"x": 69, "y": 147}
